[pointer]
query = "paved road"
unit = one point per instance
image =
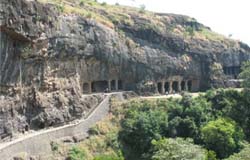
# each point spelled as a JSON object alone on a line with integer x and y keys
{"x": 38, "y": 143}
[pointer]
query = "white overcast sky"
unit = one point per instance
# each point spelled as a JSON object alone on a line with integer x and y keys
{"x": 222, "y": 16}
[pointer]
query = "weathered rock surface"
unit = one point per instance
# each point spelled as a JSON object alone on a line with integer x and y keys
{"x": 37, "y": 110}
{"x": 46, "y": 56}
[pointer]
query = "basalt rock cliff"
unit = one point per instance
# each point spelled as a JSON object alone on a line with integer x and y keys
{"x": 51, "y": 52}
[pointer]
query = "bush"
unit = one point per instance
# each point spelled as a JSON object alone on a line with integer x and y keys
{"x": 190, "y": 30}
{"x": 61, "y": 8}
{"x": 142, "y": 8}
{"x": 77, "y": 153}
{"x": 82, "y": 3}
{"x": 175, "y": 149}
{"x": 94, "y": 130}
{"x": 245, "y": 74}
{"x": 108, "y": 157}
{"x": 54, "y": 146}
{"x": 222, "y": 136}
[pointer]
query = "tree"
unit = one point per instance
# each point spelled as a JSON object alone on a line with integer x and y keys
{"x": 245, "y": 74}
{"x": 176, "y": 149}
{"x": 182, "y": 127}
{"x": 233, "y": 104}
{"x": 222, "y": 136}
{"x": 186, "y": 117}
{"x": 142, "y": 8}
{"x": 242, "y": 155}
{"x": 139, "y": 129}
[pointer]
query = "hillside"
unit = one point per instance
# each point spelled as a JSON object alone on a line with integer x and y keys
{"x": 58, "y": 57}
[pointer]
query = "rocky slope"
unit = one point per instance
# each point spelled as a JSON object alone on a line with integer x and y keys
{"x": 51, "y": 48}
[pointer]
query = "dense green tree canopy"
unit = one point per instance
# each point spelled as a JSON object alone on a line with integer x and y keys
{"x": 177, "y": 149}
{"x": 223, "y": 136}
{"x": 140, "y": 128}
{"x": 213, "y": 120}
{"x": 243, "y": 155}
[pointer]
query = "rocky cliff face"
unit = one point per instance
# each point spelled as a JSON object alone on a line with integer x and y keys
{"x": 52, "y": 49}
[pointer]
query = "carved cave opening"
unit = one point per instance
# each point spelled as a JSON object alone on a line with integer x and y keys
{"x": 183, "y": 85}
{"x": 166, "y": 86}
{"x": 233, "y": 71}
{"x": 190, "y": 85}
{"x": 113, "y": 85}
{"x": 159, "y": 86}
{"x": 175, "y": 86}
{"x": 99, "y": 86}
{"x": 120, "y": 85}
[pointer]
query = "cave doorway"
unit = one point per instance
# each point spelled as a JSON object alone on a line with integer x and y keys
{"x": 26, "y": 128}
{"x": 175, "y": 86}
{"x": 41, "y": 125}
{"x": 99, "y": 86}
{"x": 183, "y": 85}
{"x": 120, "y": 85}
{"x": 113, "y": 85}
{"x": 190, "y": 85}
{"x": 166, "y": 86}
{"x": 232, "y": 71}
{"x": 86, "y": 88}
{"x": 159, "y": 87}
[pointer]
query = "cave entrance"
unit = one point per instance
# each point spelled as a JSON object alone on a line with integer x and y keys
{"x": 99, "y": 86}
{"x": 166, "y": 86}
{"x": 183, "y": 85}
{"x": 41, "y": 125}
{"x": 175, "y": 86}
{"x": 26, "y": 128}
{"x": 113, "y": 85}
{"x": 190, "y": 85}
{"x": 120, "y": 85}
{"x": 86, "y": 88}
{"x": 159, "y": 87}
{"x": 232, "y": 71}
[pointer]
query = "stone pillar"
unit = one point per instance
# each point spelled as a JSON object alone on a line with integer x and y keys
{"x": 186, "y": 85}
{"x": 170, "y": 87}
{"x": 109, "y": 85}
{"x": 179, "y": 86}
{"x": 116, "y": 85}
{"x": 90, "y": 87}
{"x": 163, "y": 87}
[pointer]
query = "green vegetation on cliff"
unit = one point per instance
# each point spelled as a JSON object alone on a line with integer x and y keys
{"x": 245, "y": 74}
{"x": 115, "y": 16}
